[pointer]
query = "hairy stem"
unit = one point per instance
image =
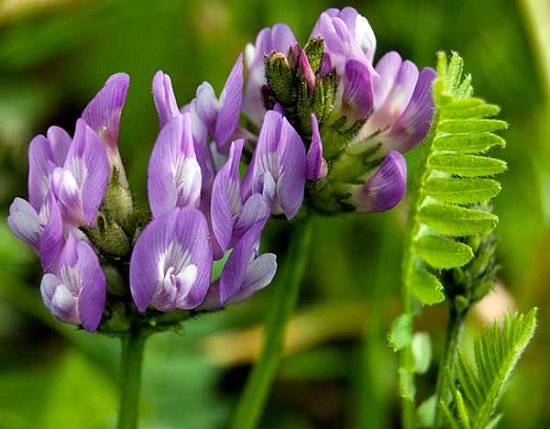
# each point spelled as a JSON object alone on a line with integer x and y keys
{"x": 252, "y": 401}
{"x": 131, "y": 360}
{"x": 452, "y": 339}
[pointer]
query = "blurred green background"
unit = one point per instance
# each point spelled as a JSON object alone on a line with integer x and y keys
{"x": 339, "y": 371}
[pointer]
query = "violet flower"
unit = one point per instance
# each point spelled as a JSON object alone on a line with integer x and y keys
{"x": 42, "y": 231}
{"x": 244, "y": 273}
{"x": 75, "y": 292}
{"x": 278, "y": 168}
{"x": 221, "y": 116}
{"x": 172, "y": 262}
{"x": 347, "y": 35}
{"x": 174, "y": 175}
{"x": 80, "y": 184}
{"x": 232, "y": 213}
{"x": 103, "y": 113}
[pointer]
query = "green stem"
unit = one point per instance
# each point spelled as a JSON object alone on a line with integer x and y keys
{"x": 131, "y": 361}
{"x": 406, "y": 363}
{"x": 452, "y": 339}
{"x": 252, "y": 401}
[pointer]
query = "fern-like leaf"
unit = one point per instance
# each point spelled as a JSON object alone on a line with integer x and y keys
{"x": 476, "y": 389}
{"x": 454, "y": 184}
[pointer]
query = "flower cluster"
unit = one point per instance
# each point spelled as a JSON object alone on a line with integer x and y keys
{"x": 324, "y": 125}
{"x": 355, "y": 118}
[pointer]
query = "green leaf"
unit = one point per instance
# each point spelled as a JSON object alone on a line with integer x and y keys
{"x": 426, "y": 287}
{"x": 470, "y": 125}
{"x": 479, "y": 387}
{"x": 468, "y": 143}
{"x": 421, "y": 347}
{"x": 466, "y": 165}
{"x": 469, "y": 108}
{"x": 461, "y": 191}
{"x": 440, "y": 252}
{"x": 400, "y": 334}
{"x": 457, "y": 221}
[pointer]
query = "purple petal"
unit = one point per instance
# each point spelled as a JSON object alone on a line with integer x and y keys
{"x": 60, "y": 143}
{"x": 265, "y": 155}
{"x": 171, "y": 262}
{"x": 174, "y": 175}
{"x": 387, "y": 68}
{"x": 397, "y": 99}
{"x": 103, "y": 112}
{"x": 361, "y": 31}
{"x": 259, "y": 274}
{"x": 282, "y": 38}
{"x": 385, "y": 188}
{"x": 254, "y": 210}
{"x": 207, "y": 106}
{"x": 357, "y": 98}
{"x": 88, "y": 165}
{"x": 91, "y": 301}
{"x": 316, "y": 165}
{"x": 245, "y": 272}
{"x": 25, "y": 223}
{"x": 290, "y": 185}
{"x": 40, "y": 162}
{"x": 59, "y": 299}
{"x": 231, "y": 100}
{"x": 226, "y": 197}
{"x": 234, "y": 271}
{"x": 51, "y": 240}
{"x": 165, "y": 100}
{"x": 414, "y": 124}
{"x": 346, "y": 31}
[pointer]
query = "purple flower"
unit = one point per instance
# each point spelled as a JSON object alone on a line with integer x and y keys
{"x": 45, "y": 153}
{"x": 42, "y": 231}
{"x": 165, "y": 100}
{"x": 103, "y": 115}
{"x": 172, "y": 262}
{"x": 278, "y": 168}
{"x": 233, "y": 214}
{"x": 357, "y": 91}
{"x": 221, "y": 116}
{"x": 245, "y": 272}
{"x": 385, "y": 188}
{"x": 174, "y": 175}
{"x": 347, "y": 35}
{"x": 403, "y": 106}
{"x": 75, "y": 292}
{"x": 279, "y": 38}
{"x": 79, "y": 185}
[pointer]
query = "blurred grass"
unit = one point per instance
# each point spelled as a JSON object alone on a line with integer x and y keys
{"x": 55, "y": 55}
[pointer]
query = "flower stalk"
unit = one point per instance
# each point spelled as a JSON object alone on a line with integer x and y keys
{"x": 253, "y": 399}
{"x": 131, "y": 361}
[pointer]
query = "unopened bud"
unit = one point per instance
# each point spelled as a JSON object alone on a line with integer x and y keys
{"x": 117, "y": 203}
{"x": 109, "y": 236}
{"x": 281, "y": 78}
